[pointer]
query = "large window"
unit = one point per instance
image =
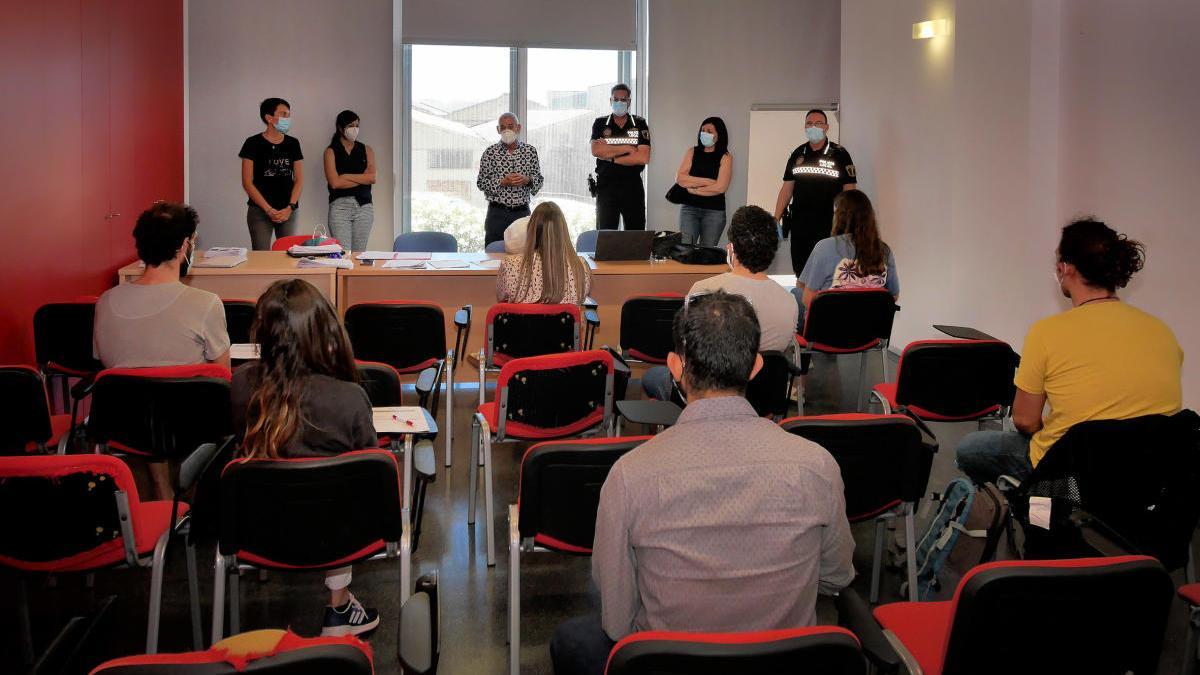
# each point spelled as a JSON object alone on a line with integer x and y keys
{"x": 458, "y": 93}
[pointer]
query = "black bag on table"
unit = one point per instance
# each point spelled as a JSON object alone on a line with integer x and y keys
{"x": 665, "y": 242}
{"x": 692, "y": 254}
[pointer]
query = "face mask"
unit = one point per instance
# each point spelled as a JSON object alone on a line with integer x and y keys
{"x": 508, "y": 136}
{"x": 186, "y": 263}
{"x": 283, "y": 124}
{"x": 351, "y": 133}
{"x": 815, "y": 134}
{"x": 619, "y": 108}
{"x": 707, "y": 139}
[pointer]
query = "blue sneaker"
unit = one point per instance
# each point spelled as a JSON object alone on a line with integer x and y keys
{"x": 349, "y": 619}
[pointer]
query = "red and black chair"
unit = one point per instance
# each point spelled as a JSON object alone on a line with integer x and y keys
{"x": 952, "y": 381}
{"x": 81, "y": 513}
{"x": 62, "y": 338}
{"x": 1190, "y": 593}
{"x": 885, "y": 463}
{"x": 307, "y": 514}
{"x": 848, "y": 321}
{"x": 1088, "y": 615}
{"x": 770, "y": 391}
{"x": 239, "y": 317}
{"x": 827, "y": 650}
{"x": 284, "y": 243}
{"x": 515, "y": 331}
{"x": 261, "y": 652}
{"x": 557, "y": 500}
{"x": 411, "y": 338}
{"x": 26, "y": 424}
{"x": 646, "y": 322}
{"x": 540, "y": 398}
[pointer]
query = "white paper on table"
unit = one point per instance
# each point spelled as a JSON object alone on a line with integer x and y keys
{"x": 1039, "y": 512}
{"x": 218, "y": 251}
{"x": 409, "y": 419}
{"x": 244, "y": 351}
{"x": 389, "y": 255}
{"x": 403, "y": 264}
{"x": 300, "y": 249}
{"x": 448, "y": 264}
{"x": 220, "y": 261}
{"x": 489, "y": 264}
{"x": 340, "y": 263}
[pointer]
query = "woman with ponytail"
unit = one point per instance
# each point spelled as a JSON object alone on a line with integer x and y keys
{"x": 301, "y": 399}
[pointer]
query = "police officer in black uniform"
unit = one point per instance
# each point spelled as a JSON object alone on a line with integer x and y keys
{"x": 621, "y": 146}
{"x": 815, "y": 173}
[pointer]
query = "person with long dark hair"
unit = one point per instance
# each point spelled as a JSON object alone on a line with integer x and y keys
{"x": 853, "y": 256}
{"x": 350, "y": 173}
{"x": 301, "y": 399}
{"x": 548, "y": 270}
{"x": 1103, "y": 359}
{"x": 272, "y": 175}
{"x": 705, "y": 173}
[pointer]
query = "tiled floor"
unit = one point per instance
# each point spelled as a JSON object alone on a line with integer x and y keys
{"x": 473, "y": 597}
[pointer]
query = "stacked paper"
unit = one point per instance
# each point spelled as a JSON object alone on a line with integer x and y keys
{"x": 339, "y": 263}
{"x": 323, "y": 249}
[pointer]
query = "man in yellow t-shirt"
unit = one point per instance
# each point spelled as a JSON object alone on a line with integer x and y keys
{"x": 1100, "y": 360}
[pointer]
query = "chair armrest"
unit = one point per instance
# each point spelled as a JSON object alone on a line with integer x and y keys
{"x": 462, "y": 318}
{"x": 854, "y": 614}
{"x": 591, "y": 317}
{"x": 426, "y": 381}
{"x": 418, "y": 634}
{"x": 197, "y": 463}
{"x": 590, "y": 303}
{"x": 657, "y": 413}
{"x": 925, "y": 430}
{"x": 83, "y": 387}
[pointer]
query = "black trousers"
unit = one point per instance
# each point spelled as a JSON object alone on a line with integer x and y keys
{"x": 804, "y": 238}
{"x": 498, "y": 219}
{"x": 623, "y": 199}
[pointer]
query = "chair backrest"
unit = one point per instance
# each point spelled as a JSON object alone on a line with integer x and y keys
{"x": 555, "y": 395}
{"x": 827, "y": 650}
{"x": 768, "y": 390}
{"x": 522, "y": 330}
{"x": 303, "y": 513}
{"x": 61, "y": 510}
{"x": 494, "y": 247}
{"x": 559, "y": 489}
{"x": 1062, "y": 610}
{"x": 408, "y": 336}
{"x": 25, "y": 414}
{"x": 849, "y": 319}
{"x": 62, "y": 337}
{"x": 381, "y": 382}
{"x": 239, "y": 316}
{"x": 586, "y": 241}
{"x": 425, "y": 242}
{"x": 284, "y": 243}
{"x": 646, "y": 322}
{"x": 953, "y": 380}
{"x": 258, "y": 652}
{"x": 160, "y": 412}
{"x": 883, "y": 459}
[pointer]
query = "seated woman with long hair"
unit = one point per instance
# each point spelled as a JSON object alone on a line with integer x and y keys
{"x": 300, "y": 399}
{"x": 547, "y": 271}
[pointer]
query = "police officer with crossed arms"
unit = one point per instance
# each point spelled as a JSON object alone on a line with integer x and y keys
{"x": 621, "y": 146}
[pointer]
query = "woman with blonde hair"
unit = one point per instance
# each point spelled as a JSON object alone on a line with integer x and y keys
{"x": 547, "y": 271}
{"x": 301, "y": 399}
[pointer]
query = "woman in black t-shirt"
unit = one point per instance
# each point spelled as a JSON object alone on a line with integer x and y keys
{"x": 350, "y": 172}
{"x": 272, "y": 176}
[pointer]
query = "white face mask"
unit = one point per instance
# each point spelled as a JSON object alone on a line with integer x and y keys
{"x": 508, "y": 136}
{"x": 351, "y": 133}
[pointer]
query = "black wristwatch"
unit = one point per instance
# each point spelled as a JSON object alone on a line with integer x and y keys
{"x": 294, "y": 205}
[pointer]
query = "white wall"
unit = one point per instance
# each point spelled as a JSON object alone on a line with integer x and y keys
{"x": 715, "y": 57}
{"x": 322, "y": 57}
{"x": 977, "y": 147}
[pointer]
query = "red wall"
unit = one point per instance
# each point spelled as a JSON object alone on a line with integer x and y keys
{"x": 91, "y": 104}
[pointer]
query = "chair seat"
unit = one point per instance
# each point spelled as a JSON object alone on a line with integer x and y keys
{"x": 60, "y": 425}
{"x": 1190, "y": 594}
{"x": 888, "y": 391}
{"x": 521, "y": 431}
{"x": 803, "y": 343}
{"x": 923, "y": 627}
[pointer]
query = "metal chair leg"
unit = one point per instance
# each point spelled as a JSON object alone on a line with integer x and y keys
{"x": 488, "y": 513}
{"x": 514, "y": 591}
{"x": 862, "y": 379}
{"x": 884, "y": 355}
{"x": 235, "y": 600}
{"x": 449, "y": 430}
{"x": 156, "y": 580}
{"x": 877, "y": 561}
{"x": 194, "y": 595}
{"x": 25, "y": 626}
{"x": 910, "y": 550}
{"x": 1190, "y": 655}
{"x": 473, "y": 469}
{"x": 218, "y": 611}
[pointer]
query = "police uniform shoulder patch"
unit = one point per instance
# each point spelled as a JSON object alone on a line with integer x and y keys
{"x": 850, "y": 171}
{"x": 646, "y": 134}
{"x": 607, "y": 132}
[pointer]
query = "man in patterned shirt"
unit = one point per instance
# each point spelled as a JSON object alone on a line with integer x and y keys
{"x": 509, "y": 175}
{"x": 724, "y": 522}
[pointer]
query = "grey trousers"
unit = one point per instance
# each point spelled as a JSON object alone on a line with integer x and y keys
{"x": 261, "y": 227}
{"x": 350, "y": 223}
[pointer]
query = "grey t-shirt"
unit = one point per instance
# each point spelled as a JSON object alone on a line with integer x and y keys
{"x": 143, "y": 326}
{"x": 775, "y": 306}
{"x": 831, "y": 265}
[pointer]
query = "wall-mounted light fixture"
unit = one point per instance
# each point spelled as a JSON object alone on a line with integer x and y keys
{"x": 923, "y": 30}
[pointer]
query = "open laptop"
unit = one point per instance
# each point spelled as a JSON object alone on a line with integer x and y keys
{"x": 619, "y": 245}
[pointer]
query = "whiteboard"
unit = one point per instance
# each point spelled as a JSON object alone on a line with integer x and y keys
{"x": 775, "y": 131}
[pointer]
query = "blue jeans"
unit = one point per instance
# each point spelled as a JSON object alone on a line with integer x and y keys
{"x": 580, "y": 647}
{"x": 704, "y": 226}
{"x": 986, "y": 455}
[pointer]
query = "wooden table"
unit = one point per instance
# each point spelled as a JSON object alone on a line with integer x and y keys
{"x": 248, "y": 280}
{"x": 612, "y": 283}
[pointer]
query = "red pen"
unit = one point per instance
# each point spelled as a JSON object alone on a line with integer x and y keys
{"x": 397, "y": 419}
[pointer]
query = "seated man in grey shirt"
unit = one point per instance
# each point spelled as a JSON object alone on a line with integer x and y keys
{"x": 724, "y": 522}
{"x": 156, "y": 320}
{"x": 753, "y": 240}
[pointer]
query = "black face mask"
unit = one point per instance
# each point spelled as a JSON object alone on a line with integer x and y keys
{"x": 187, "y": 261}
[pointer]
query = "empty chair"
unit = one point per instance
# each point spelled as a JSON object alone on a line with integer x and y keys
{"x": 425, "y": 242}
{"x": 1087, "y": 615}
{"x": 520, "y": 330}
{"x": 885, "y": 463}
{"x": 848, "y": 321}
{"x": 411, "y": 338}
{"x": 539, "y": 398}
{"x": 556, "y": 509}
{"x": 239, "y": 317}
{"x": 284, "y": 243}
{"x": 271, "y": 651}
{"x": 646, "y": 322}
{"x": 26, "y": 424}
{"x": 62, "y": 338}
{"x": 586, "y": 241}
{"x": 952, "y": 381}
{"x": 770, "y": 390}
{"x": 827, "y": 650}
